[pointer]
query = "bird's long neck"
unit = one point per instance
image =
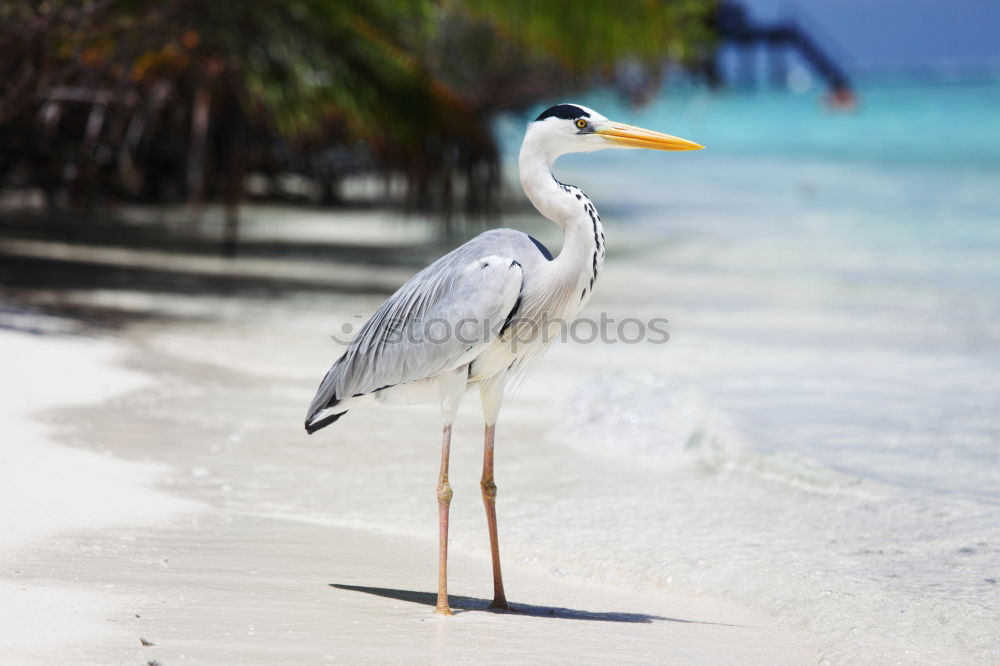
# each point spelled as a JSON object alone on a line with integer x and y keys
{"x": 582, "y": 253}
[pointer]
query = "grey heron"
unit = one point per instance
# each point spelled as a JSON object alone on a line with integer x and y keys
{"x": 478, "y": 315}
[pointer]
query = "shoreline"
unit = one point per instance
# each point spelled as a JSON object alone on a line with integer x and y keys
{"x": 312, "y": 593}
{"x": 54, "y": 491}
{"x": 615, "y": 463}
{"x": 201, "y": 581}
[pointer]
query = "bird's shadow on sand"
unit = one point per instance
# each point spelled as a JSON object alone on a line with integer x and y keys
{"x": 467, "y": 604}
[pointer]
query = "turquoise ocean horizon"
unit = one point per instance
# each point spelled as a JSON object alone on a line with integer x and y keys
{"x": 832, "y": 381}
{"x": 885, "y": 220}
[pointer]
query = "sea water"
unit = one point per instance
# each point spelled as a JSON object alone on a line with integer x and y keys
{"x": 827, "y": 415}
{"x": 874, "y": 233}
{"x": 818, "y": 438}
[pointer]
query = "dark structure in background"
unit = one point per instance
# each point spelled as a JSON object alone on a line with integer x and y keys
{"x": 107, "y": 101}
{"x": 733, "y": 24}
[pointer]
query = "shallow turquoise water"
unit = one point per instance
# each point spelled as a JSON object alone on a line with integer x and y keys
{"x": 865, "y": 245}
{"x": 833, "y": 287}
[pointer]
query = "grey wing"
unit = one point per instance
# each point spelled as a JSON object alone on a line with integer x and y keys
{"x": 441, "y": 319}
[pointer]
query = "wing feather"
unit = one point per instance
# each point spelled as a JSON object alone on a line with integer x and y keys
{"x": 412, "y": 336}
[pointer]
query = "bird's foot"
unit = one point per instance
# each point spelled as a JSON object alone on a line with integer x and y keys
{"x": 442, "y": 610}
{"x": 501, "y": 604}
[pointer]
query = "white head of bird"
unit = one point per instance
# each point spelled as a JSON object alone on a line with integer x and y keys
{"x": 573, "y": 128}
{"x": 504, "y": 282}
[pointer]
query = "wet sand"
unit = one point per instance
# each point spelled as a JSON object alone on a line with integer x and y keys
{"x": 163, "y": 490}
{"x": 207, "y": 574}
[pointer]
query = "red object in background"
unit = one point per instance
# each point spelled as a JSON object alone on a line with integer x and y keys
{"x": 841, "y": 99}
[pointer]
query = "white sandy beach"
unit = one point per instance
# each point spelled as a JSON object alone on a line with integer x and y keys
{"x": 770, "y": 436}
{"x": 101, "y": 553}
{"x": 161, "y": 490}
{"x": 164, "y": 490}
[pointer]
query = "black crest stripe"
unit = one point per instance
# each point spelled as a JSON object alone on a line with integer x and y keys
{"x": 563, "y": 111}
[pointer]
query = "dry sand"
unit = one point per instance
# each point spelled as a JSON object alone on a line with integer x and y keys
{"x": 147, "y": 510}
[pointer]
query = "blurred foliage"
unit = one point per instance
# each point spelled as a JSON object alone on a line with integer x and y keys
{"x": 587, "y": 34}
{"x": 183, "y": 98}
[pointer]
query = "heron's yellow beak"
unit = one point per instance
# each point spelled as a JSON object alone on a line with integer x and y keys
{"x": 635, "y": 137}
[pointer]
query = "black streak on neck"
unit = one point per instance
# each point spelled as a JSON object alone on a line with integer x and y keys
{"x": 563, "y": 186}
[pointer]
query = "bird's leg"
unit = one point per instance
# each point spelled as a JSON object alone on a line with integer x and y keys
{"x": 490, "y": 501}
{"x": 444, "y": 503}
{"x": 452, "y": 386}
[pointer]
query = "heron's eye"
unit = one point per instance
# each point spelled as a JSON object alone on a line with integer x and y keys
{"x": 581, "y": 123}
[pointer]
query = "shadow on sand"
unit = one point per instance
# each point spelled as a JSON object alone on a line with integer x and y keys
{"x": 50, "y": 264}
{"x": 466, "y": 604}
